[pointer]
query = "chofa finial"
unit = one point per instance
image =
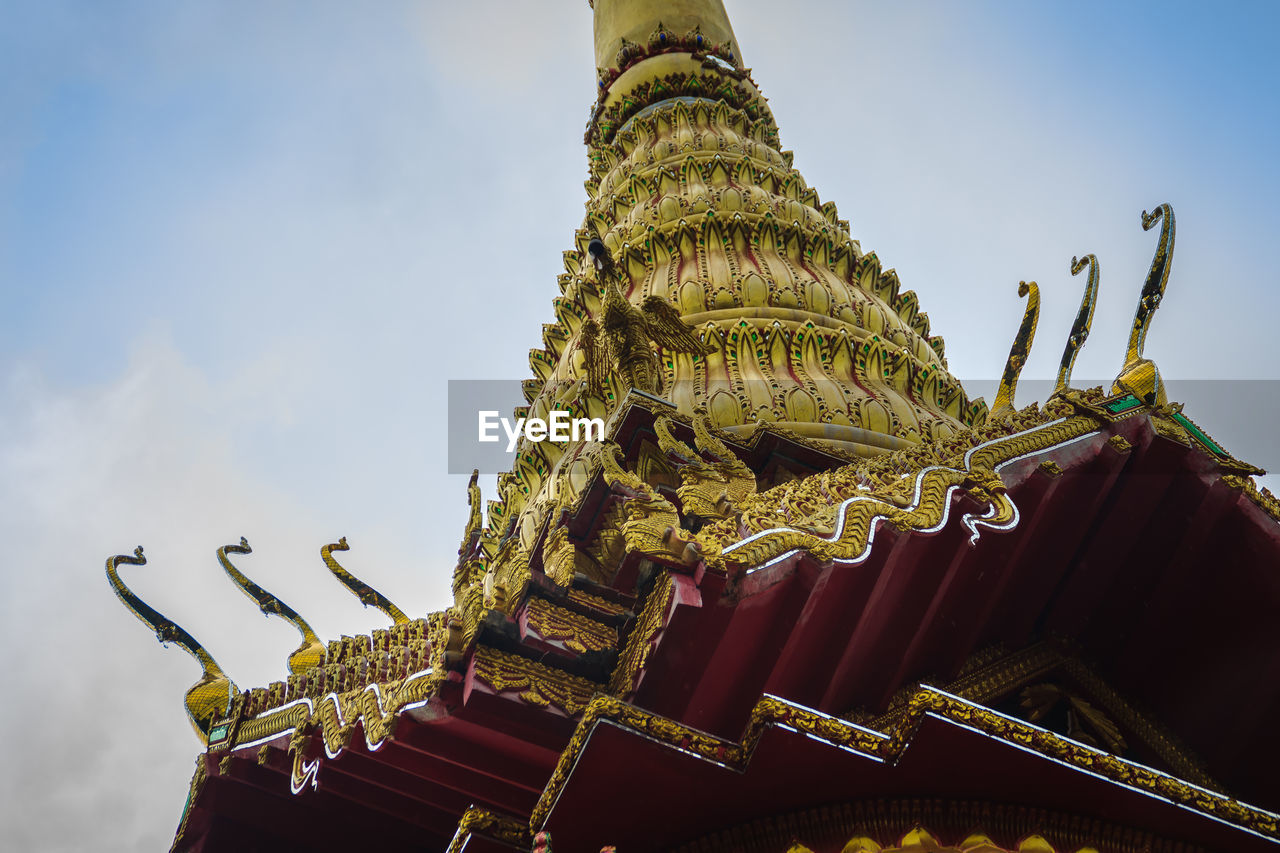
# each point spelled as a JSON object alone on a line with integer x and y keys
{"x": 1018, "y": 353}
{"x": 1084, "y": 320}
{"x": 1140, "y": 376}
{"x": 311, "y": 652}
{"x": 368, "y": 595}
{"x": 210, "y": 698}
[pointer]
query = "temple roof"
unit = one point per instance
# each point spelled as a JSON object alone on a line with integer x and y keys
{"x": 799, "y": 553}
{"x": 728, "y": 664}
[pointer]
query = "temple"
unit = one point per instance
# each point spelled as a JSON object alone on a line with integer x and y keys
{"x": 805, "y": 595}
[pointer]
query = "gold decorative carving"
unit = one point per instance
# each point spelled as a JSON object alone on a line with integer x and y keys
{"x": 1051, "y": 468}
{"x": 925, "y": 701}
{"x": 816, "y": 508}
{"x": 1069, "y": 752}
{"x": 336, "y": 714}
{"x": 988, "y": 675}
{"x": 193, "y": 792}
{"x": 302, "y": 772}
{"x": 578, "y": 633}
{"x": 629, "y": 334}
{"x": 475, "y": 516}
{"x": 1120, "y": 444}
{"x": 653, "y": 617}
{"x": 762, "y": 308}
{"x": 709, "y": 490}
{"x": 595, "y": 602}
{"x": 478, "y": 821}
{"x": 272, "y": 723}
{"x": 539, "y": 684}
{"x": 900, "y": 825}
{"x": 1154, "y": 736}
{"x": 992, "y": 674}
{"x": 1082, "y": 717}
{"x": 559, "y": 557}
{"x": 652, "y": 527}
{"x": 1263, "y": 498}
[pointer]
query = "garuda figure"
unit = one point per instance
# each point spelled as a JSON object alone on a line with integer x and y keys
{"x": 629, "y": 333}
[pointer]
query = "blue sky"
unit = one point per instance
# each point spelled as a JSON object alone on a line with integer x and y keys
{"x": 243, "y": 246}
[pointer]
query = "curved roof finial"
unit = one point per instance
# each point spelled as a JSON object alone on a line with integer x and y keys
{"x": 1140, "y": 376}
{"x": 1084, "y": 320}
{"x": 311, "y": 652}
{"x": 1018, "y": 353}
{"x": 367, "y": 594}
{"x": 475, "y": 518}
{"x": 210, "y": 698}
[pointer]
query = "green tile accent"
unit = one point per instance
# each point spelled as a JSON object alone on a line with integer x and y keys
{"x": 217, "y": 733}
{"x": 1199, "y": 436}
{"x": 1124, "y": 404}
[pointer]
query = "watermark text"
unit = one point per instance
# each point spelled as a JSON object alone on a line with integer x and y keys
{"x": 558, "y": 426}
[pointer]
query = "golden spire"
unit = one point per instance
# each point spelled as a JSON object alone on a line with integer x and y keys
{"x": 718, "y": 279}
{"x": 210, "y": 698}
{"x": 311, "y": 652}
{"x": 623, "y": 23}
{"x": 701, "y": 215}
{"x": 1140, "y": 376}
{"x": 361, "y": 590}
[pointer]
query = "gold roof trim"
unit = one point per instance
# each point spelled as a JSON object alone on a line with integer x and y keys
{"x": 833, "y": 515}
{"x": 771, "y": 710}
{"x": 335, "y": 715}
{"x": 993, "y": 674}
{"x": 476, "y": 820}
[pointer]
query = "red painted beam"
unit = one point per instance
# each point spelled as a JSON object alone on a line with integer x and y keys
{"x": 1047, "y": 553}
{"x": 755, "y": 635}
{"x": 492, "y": 791}
{"x": 685, "y": 647}
{"x": 488, "y": 752}
{"x": 903, "y": 592}
{"x": 824, "y": 627}
{"x": 1099, "y": 552}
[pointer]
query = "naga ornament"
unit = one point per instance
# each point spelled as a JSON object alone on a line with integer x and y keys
{"x": 1083, "y": 321}
{"x": 1018, "y": 353}
{"x": 367, "y": 594}
{"x": 1140, "y": 376}
{"x": 210, "y": 698}
{"x": 708, "y": 490}
{"x": 311, "y": 653}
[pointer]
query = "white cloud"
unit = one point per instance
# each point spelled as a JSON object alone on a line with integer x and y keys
{"x": 95, "y": 723}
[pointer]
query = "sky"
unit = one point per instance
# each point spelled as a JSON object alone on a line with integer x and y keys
{"x": 245, "y": 245}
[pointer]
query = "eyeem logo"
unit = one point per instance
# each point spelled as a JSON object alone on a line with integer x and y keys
{"x": 559, "y": 426}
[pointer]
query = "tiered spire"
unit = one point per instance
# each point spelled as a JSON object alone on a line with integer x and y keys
{"x": 700, "y": 214}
